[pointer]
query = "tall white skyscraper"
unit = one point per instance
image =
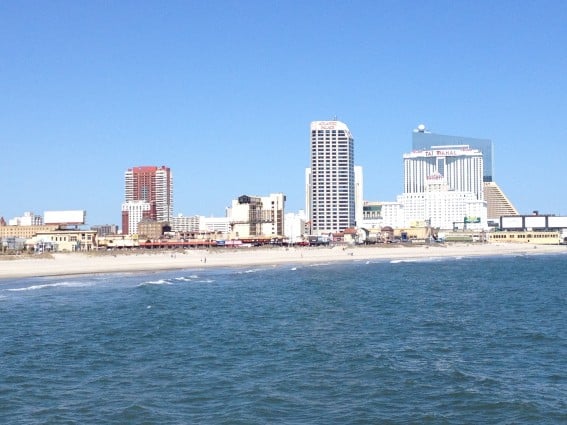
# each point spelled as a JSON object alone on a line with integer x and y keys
{"x": 332, "y": 180}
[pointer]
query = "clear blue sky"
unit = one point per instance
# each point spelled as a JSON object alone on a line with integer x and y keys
{"x": 223, "y": 93}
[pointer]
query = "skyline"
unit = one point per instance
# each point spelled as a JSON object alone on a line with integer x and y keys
{"x": 223, "y": 93}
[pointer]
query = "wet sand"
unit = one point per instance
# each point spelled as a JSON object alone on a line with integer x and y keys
{"x": 61, "y": 264}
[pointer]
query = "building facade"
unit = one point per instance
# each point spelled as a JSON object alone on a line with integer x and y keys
{"x": 132, "y": 213}
{"x": 150, "y": 184}
{"x": 331, "y": 183}
{"x": 200, "y": 224}
{"x": 439, "y": 207}
{"x": 425, "y": 140}
{"x": 28, "y": 219}
{"x": 257, "y": 216}
{"x": 459, "y": 167}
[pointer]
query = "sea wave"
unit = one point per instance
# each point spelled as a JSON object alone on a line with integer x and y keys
{"x": 51, "y": 285}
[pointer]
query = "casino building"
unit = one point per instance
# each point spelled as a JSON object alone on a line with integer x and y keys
{"x": 330, "y": 185}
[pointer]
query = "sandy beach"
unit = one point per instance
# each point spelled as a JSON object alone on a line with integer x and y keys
{"x": 61, "y": 264}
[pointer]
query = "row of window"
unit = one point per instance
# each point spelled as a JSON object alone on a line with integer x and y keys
{"x": 70, "y": 238}
{"x": 522, "y": 236}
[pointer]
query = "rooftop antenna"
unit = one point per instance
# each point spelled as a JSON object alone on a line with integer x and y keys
{"x": 334, "y": 117}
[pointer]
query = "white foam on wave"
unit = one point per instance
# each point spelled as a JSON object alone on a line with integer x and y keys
{"x": 416, "y": 260}
{"x": 52, "y": 285}
{"x": 155, "y": 282}
{"x": 206, "y": 281}
{"x": 185, "y": 279}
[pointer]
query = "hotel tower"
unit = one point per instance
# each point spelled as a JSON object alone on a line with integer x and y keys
{"x": 148, "y": 193}
{"x": 498, "y": 204}
{"x": 331, "y": 178}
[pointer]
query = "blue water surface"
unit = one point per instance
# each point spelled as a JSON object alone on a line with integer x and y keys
{"x": 446, "y": 341}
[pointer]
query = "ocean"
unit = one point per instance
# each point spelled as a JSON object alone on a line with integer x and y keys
{"x": 438, "y": 341}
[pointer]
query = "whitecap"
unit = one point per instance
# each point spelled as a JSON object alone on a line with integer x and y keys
{"x": 155, "y": 282}
{"x": 51, "y": 285}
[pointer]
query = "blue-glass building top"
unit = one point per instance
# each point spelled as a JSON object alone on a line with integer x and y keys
{"x": 425, "y": 140}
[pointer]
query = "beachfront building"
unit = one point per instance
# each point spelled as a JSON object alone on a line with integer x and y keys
{"x": 527, "y": 237}
{"x": 150, "y": 184}
{"x": 294, "y": 227}
{"x": 498, "y": 203}
{"x": 105, "y": 229}
{"x": 423, "y": 139}
{"x": 201, "y": 224}
{"x": 64, "y": 240}
{"x": 331, "y": 186}
{"x": 257, "y": 216}
{"x": 442, "y": 208}
{"x": 132, "y": 213}
{"x": 460, "y": 168}
{"x": 26, "y": 232}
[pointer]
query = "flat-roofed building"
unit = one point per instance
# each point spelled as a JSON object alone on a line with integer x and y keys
{"x": 253, "y": 216}
{"x": 25, "y": 231}
{"x": 65, "y": 240}
{"x": 332, "y": 178}
{"x": 132, "y": 213}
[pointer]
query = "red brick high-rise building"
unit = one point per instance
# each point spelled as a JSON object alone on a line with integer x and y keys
{"x": 148, "y": 193}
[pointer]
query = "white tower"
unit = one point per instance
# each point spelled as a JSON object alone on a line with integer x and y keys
{"x": 332, "y": 189}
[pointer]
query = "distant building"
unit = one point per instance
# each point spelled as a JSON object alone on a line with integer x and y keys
{"x": 219, "y": 225}
{"x": 371, "y": 215}
{"x": 332, "y": 178}
{"x": 439, "y": 207}
{"x": 24, "y": 231}
{"x": 150, "y": 184}
{"x": 182, "y": 223}
{"x": 65, "y": 240}
{"x": 200, "y": 224}
{"x": 151, "y": 229}
{"x": 28, "y": 219}
{"x": 132, "y": 213}
{"x": 459, "y": 167}
{"x": 423, "y": 139}
{"x": 255, "y": 216}
{"x": 105, "y": 229}
{"x": 498, "y": 203}
{"x": 294, "y": 226}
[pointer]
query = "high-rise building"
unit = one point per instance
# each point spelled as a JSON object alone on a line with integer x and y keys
{"x": 150, "y": 184}
{"x": 331, "y": 187}
{"x": 422, "y": 139}
{"x": 460, "y": 168}
{"x": 498, "y": 203}
{"x": 257, "y": 216}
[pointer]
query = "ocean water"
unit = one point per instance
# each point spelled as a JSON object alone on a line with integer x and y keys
{"x": 441, "y": 341}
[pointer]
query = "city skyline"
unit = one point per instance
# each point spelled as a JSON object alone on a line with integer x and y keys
{"x": 224, "y": 93}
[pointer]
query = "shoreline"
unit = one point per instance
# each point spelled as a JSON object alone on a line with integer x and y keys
{"x": 67, "y": 264}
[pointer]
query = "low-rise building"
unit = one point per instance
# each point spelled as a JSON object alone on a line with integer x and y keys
{"x": 64, "y": 240}
{"x": 534, "y": 238}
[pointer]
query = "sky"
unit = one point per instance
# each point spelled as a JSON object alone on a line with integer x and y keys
{"x": 223, "y": 93}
